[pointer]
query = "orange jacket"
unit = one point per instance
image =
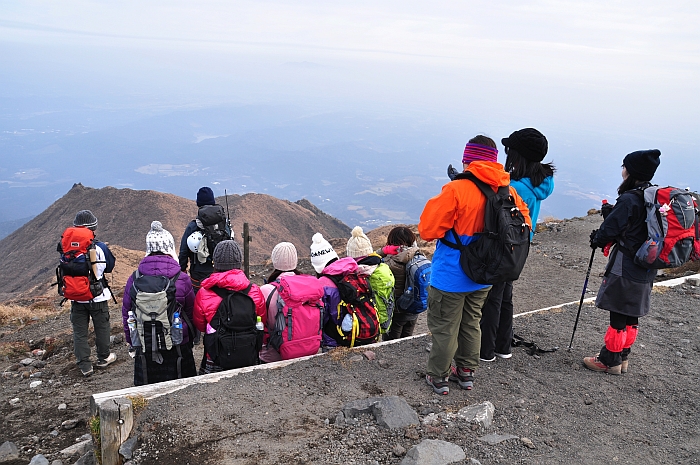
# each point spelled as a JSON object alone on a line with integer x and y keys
{"x": 461, "y": 205}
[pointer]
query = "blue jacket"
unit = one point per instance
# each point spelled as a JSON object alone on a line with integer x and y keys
{"x": 533, "y": 196}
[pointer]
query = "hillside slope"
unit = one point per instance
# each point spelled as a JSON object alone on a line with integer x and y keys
{"x": 28, "y": 256}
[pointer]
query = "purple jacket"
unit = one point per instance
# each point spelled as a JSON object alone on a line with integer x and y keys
{"x": 162, "y": 265}
{"x": 331, "y": 297}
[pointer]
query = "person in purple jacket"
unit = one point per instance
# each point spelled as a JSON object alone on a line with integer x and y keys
{"x": 161, "y": 260}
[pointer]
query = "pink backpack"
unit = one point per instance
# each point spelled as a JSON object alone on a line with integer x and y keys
{"x": 296, "y": 330}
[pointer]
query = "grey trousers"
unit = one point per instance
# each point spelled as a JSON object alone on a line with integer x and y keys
{"x": 453, "y": 320}
{"x": 80, "y": 315}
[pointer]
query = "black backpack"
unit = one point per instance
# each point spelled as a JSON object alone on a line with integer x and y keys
{"x": 236, "y": 341}
{"x": 211, "y": 220}
{"x": 500, "y": 252}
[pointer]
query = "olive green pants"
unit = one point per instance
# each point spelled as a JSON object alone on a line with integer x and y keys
{"x": 453, "y": 320}
{"x": 80, "y": 314}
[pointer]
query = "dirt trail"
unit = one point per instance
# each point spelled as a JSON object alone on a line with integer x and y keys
{"x": 279, "y": 416}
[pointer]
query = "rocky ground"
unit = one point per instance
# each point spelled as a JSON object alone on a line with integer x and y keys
{"x": 557, "y": 411}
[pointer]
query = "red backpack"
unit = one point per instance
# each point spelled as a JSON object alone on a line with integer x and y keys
{"x": 296, "y": 329}
{"x": 672, "y": 228}
{"x": 357, "y": 300}
{"x": 75, "y": 276}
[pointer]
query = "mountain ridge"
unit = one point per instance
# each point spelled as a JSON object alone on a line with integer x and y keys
{"x": 28, "y": 256}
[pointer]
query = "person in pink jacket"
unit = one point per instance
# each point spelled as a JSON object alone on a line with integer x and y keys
{"x": 227, "y": 275}
{"x": 284, "y": 260}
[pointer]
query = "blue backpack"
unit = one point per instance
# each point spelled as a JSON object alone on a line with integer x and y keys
{"x": 417, "y": 280}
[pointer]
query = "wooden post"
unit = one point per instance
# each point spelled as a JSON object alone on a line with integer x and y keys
{"x": 246, "y": 250}
{"x": 116, "y": 422}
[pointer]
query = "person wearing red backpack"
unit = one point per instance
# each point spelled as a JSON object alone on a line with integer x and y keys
{"x": 82, "y": 311}
{"x": 626, "y": 288}
{"x": 454, "y": 299}
{"x": 229, "y": 277}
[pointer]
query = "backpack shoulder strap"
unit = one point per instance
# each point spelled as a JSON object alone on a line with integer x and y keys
{"x": 457, "y": 244}
{"x": 221, "y": 292}
{"x": 483, "y": 187}
{"x": 269, "y": 297}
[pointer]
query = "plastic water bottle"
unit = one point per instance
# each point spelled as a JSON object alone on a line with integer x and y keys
{"x": 406, "y": 299}
{"x": 133, "y": 332}
{"x": 176, "y": 329}
{"x": 259, "y": 324}
{"x": 346, "y": 325}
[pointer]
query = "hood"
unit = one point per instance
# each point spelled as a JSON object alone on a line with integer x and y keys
{"x": 159, "y": 265}
{"x": 341, "y": 267}
{"x": 490, "y": 172}
{"x": 542, "y": 191}
{"x": 234, "y": 280}
{"x": 406, "y": 254}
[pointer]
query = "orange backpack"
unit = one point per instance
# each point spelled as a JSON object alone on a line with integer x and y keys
{"x": 75, "y": 273}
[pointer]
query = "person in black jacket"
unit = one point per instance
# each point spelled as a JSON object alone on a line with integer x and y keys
{"x": 212, "y": 227}
{"x": 626, "y": 288}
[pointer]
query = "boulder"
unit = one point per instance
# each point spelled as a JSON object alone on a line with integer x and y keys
{"x": 390, "y": 412}
{"x": 39, "y": 460}
{"x": 8, "y": 452}
{"x": 481, "y": 414}
{"x": 434, "y": 452}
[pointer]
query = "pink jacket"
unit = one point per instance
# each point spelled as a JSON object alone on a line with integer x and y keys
{"x": 207, "y": 301}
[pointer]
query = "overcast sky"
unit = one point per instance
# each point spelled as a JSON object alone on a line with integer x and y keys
{"x": 627, "y": 70}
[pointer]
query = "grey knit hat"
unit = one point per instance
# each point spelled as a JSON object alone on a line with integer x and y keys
{"x": 85, "y": 218}
{"x": 227, "y": 256}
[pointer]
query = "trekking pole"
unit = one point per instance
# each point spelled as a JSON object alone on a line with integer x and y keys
{"x": 228, "y": 217}
{"x": 580, "y": 304}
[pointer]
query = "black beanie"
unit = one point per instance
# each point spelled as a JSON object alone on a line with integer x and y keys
{"x": 205, "y": 196}
{"x": 529, "y": 143}
{"x": 642, "y": 164}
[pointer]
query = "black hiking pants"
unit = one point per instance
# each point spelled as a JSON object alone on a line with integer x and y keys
{"x": 497, "y": 321}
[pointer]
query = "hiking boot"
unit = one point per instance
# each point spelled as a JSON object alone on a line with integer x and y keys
{"x": 492, "y": 359}
{"x": 87, "y": 372}
{"x": 103, "y": 363}
{"x": 593, "y": 363}
{"x": 464, "y": 377}
{"x": 624, "y": 366}
{"x": 439, "y": 385}
{"x": 504, "y": 356}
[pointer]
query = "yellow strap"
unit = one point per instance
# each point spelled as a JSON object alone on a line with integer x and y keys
{"x": 355, "y": 330}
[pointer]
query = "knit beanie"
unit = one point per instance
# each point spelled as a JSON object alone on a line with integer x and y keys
{"x": 321, "y": 252}
{"x": 642, "y": 164}
{"x": 359, "y": 245}
{"x": 529, "y": 143}
{"x": 205, "y": 196}
{"x": 478, "y": 152}
{"x": 160, "y": 240}
{"x": 284, "y": 256}
{"x": 85, "y": 218}
{"x": 227, "y": 256}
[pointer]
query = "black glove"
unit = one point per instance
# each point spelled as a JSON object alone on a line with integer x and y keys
{"x": 606, "y": 209}
{"x": 451, "y": 172}
{"x": 593, "y": 242}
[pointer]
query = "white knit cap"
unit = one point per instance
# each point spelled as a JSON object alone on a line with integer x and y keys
{"x": 160, "y": 240}
{"x": 359, "y": 245}
{"x": 321, "y": 252}
{"x": 284, "y": 256}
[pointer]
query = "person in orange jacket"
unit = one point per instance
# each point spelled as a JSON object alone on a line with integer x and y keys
{"x": 454, "y": 300}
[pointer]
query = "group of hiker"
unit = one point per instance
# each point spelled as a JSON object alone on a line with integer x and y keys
{"x": 482, "y": 221}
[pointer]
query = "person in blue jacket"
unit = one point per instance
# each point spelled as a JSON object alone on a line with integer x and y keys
{"x": 534, "y": 182}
